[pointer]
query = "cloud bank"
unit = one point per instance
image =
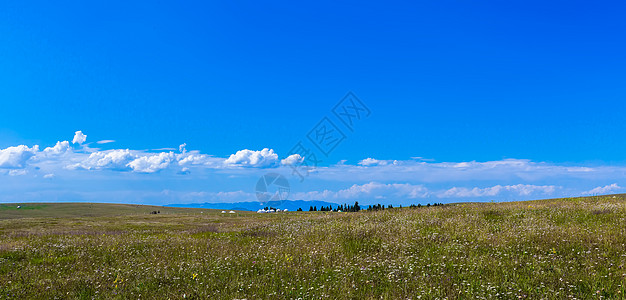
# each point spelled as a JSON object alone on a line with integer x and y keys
{"x": 376, "y": 190}
{"x": 69, "y": 167}
{"x": 607, "y": 189}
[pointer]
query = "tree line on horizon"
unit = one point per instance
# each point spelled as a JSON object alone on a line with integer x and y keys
{"x": 356, "y": 207}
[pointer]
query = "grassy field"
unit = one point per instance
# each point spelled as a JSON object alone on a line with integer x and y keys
{"x": 549, "y": 249}
{"x": 73, "y": 210}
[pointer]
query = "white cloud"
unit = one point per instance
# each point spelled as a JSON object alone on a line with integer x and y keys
{"x": 249, "y": 158}
{"x": 59, "y": 148}
{"x": 376, "y": 162}
{"x": 182, "y": 148}
{"x": 381, "y": 189}
{"x": 194, "y": 158}
{"x": 104, "y": 141}
{"x": 152, "y": 163}
{"x": 607, "y": 189}
{"x": 17, "y": 172}
{"x": 293, "y": 159}
{"x": 16, "y": 157}
{"x": 112, "y": 159}
{"x": 215, "y": 197}
{"x": 79, "y": 137}
{"x": 519, "y": 189}
{"x": 371, "y": 190}
{"x": 422, "y": 158}
{"x": 47, "y": 176}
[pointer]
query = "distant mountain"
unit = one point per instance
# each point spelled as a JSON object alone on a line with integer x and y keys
{"x": 291, "y": 205}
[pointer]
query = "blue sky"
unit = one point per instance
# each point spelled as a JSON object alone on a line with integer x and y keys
{"x": 523, "y": 96}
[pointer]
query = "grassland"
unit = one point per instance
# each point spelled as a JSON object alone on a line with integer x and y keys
{"x": 549, "y": 249}
{"x": 74, "y": 210}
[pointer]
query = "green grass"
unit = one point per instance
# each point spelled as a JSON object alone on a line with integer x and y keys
{"x": 548, "y": 249}
{"x": 71, "y": 210}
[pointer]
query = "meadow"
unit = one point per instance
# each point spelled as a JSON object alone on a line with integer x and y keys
{"x": 548, "y": 249}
